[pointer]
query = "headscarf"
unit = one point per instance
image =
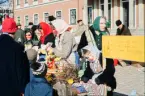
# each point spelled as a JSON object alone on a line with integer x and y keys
{"x": 60, "y": 25}
{"x": 96, "y": 25}
{"x": 46, "y": 31}
{"x": 98, "y": 37}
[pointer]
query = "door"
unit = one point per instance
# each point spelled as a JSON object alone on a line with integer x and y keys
{"x": 126, "y": 13}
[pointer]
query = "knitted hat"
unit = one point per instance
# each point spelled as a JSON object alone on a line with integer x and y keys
{"x": 39, "y": 69}
{"x": 9, "y": 25}
{"x": 31, "y": 54}
{"x": 118, "y": 22}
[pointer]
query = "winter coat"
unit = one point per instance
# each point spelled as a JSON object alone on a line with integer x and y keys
{"x": 28, "y": 44}
{"x": 14, "y": 67}
{"x": 123, "y": 31}
{"x": 50, "y": 38}
{"x": 38, "y": 87}
{"x": 65, "y": 46}
{"x": 20, "y": 36}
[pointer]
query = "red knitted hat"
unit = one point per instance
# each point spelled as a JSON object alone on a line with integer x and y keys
{"x": 9, "y": 25}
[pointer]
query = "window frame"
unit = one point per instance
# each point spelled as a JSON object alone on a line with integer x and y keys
{"x": 60, "y": 15}
{"x": 18, "y": 3}
{"x": 91, "y": 14}
{"x": 25, "y": 20}
{"x": 45, "y": 18}
{"x": 18, "y": 19}
{"x": 70, "y": 16}
{"x": 34, "y": 18}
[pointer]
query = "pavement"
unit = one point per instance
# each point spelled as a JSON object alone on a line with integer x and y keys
{"x": 128, "y": 79}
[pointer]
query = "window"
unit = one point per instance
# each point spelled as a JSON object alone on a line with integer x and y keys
{"x": 73, "y": 16}
{"x": 58, "y": 14}
{"x": 18, "y": 19}
{"x": 109, "y": 10}
{"x": 18, "y": 2}
{"x": 134, "y": 12}
{"x": 26, "y": 1}
{"x": 36, "y": 19}
{"x": 46, "y": 17}
{"x": 89, "y": 15}
{"x": 102, "y": 7}
{"x": 26, "y": 20}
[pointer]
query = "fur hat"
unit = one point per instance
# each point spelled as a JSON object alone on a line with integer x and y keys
{"x": 118, "y": 22}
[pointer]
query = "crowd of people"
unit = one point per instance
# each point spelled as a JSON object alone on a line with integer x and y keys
{"x": 80, "y": 48}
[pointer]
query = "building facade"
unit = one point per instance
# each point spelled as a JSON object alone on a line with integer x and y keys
{"x": 130, "y": 12}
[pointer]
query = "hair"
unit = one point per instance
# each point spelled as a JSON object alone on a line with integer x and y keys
{"x": 33, "y": 29}
{"x": 84, "y": 52}
{"x": 79, "y": 21}
{"x": 27, "y": 30}
{"x": 30, "y": 23}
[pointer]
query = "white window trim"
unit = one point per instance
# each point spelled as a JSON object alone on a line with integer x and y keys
{"x": 18, "y": 6}
{"x": 26, "y": 4}
{"x": 17, "y": 19}
{"x": 135, "y": 15}
{"x": 44, "y": 15}
{"x": 76, "y": 15}
{"x": 100, "y": 12}
{"x": 17, "y": 3}
{"x": 35, "y": 2}
{"x": 25, "y": 19}
{"x": 60, "y": 11}
{"x": 45, "y": 1}
{"x": 92, "y": 13}
{"x": 38, "y": 17}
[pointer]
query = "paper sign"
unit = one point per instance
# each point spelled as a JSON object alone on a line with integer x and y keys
{"x": 124, "y": 47}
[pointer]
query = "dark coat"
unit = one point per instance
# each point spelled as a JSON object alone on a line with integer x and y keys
{"x": 123, "y": 31}
{"x": 14, "y": 67}
{"x": 50, "y": 38}
{"x": 20, "y": 36}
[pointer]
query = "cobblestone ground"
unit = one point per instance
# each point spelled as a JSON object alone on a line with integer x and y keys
{"x": 128, "y": 79}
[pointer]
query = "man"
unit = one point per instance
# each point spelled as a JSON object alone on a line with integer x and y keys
{"x": 122, "y": 29}
{"x": 14, "y": 66}
{"x": 20, "y": 35}
{"x": 30, "y": 25}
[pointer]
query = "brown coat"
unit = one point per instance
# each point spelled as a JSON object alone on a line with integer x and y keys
{"x": 123, "y": 31}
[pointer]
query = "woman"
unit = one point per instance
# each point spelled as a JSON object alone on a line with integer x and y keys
{"x": 98, "y": 29}
{"x": 107, "y": 77}
{"x": 28, "y": 43}
{"x": 65, "y": 42}
{"x": 47, "y": 35}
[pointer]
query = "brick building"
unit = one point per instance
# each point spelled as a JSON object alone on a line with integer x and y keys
{"x": 130, "y": 12}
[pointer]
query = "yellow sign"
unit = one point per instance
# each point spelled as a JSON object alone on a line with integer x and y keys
{"x": 124, "y": 47}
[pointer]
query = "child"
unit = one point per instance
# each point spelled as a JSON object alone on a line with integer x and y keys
{"x": 32, "y": 56}
{"x": 93, "y": 64}
{"x": 39, "y": 85}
